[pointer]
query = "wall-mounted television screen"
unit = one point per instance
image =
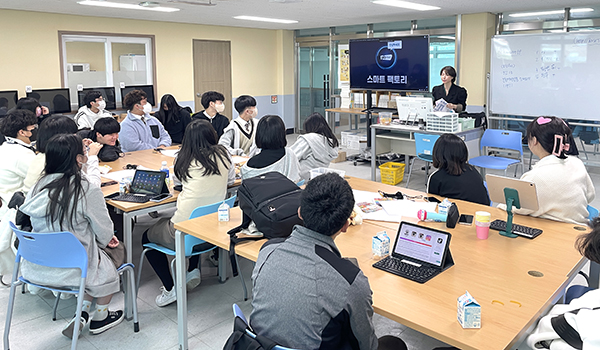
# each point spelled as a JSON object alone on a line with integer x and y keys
{"x": 8, "y": 100}
{"x": 148, "y": 89}
{"x": 395, "y": 63}
{"x": 57, "y": 100}
{"x": 108, "y": 94}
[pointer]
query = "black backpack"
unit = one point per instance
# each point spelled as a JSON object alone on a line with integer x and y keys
{"x": 240, "y": 340}
{"x": 271, "y": 200}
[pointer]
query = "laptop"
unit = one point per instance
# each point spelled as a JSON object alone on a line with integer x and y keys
{"x": 146, "y": 184}
{"x": 420, "y": 253}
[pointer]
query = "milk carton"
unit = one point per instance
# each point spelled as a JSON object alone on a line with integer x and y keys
{"x": 381, "y": 245}
{"x": 223, "y": 212}
{"x": 468, "y": 311}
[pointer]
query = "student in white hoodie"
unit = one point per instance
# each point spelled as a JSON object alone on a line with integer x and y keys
{"x": 317, "y": 148}
{"x": 93, "y": 110}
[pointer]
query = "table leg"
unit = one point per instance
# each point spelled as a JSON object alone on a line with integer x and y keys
{"x": 181, "y": 291}
{"x": 373, "y": 155}
{"x": 223, "y": 255}
{"x": 594, "y": 274}
{"x": 127, "y": 241}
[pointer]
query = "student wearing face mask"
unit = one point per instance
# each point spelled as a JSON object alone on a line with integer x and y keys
{"x": 92, "y": 111}
{"x": 17, "y": 153}
{"x": 33, "y": 105}
{"x": 212, "y": 102}
{"x": 239, "y": 136}
{"x": 140, "y": 130}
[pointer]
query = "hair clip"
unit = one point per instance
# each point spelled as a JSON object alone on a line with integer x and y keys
{"x": 543, "y": 120}
{"x": 559, "y": 145}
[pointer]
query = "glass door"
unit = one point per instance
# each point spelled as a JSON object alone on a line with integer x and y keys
{"x": 314, "y": 94}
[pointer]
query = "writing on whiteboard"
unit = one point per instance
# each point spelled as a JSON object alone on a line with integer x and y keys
{"x": 585, "y": 40}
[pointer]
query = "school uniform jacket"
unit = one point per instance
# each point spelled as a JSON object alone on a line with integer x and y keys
{"x": 306, "y": 296}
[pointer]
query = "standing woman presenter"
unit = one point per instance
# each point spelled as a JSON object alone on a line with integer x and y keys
{"x": 454, "y": 95}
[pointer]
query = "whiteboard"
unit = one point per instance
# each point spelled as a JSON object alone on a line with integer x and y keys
{"x": 546, "y": 74}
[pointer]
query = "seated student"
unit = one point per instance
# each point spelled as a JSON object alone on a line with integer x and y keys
{"x": 55, "y": 125}
{"x": 140, "y": 130}
{"x": 212, "y": 102}
{"x": 330, "y": 307}
{"x": 589, "y": 246}
{"x": 239, "y": 136}
{"x": 317, "y": 148}
{"x": 204, "y": 168}
{"x": 564, "y": 188}
{"x": 455, "y": 178}
{"x": 92, "y": 110}
{"x": 273, "y": 156}
{"x": 19, "y": 127}
{"x": 64, "y": 201}
{"x": 106, "y": 133}
{"x": 173, "y": 117}
{"x": 33, "y": 105}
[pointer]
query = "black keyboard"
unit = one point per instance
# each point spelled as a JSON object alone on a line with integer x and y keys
{"x": 527, "y": 232}
{"x": 396, "y": 266}
{"x": 129, "y": 197}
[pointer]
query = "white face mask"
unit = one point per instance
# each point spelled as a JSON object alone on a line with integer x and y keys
{"x": 147, "y": 108}
{"x": 220, "y": 107}
{"x": 101, "y": 105}
{"x": 254, "y": 112}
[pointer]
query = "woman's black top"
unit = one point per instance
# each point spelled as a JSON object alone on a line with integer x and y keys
{"x": 456, "y": 95}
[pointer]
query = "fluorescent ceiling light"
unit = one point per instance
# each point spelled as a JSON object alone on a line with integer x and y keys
{"x": 265, "y": 19}
{"x": 406, "y": 5}
{"x": 126, "y": 6}
{"x": 544, "y": 13}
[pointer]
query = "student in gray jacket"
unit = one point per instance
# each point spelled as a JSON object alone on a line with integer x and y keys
{"x": 306, "y": 296}
{"x": 317, "y": 148}
{"x": 64, "y": 201}
{"x": 140, "y": 130}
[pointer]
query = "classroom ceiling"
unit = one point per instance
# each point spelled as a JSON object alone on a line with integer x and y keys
{"x": 308, "y": 13}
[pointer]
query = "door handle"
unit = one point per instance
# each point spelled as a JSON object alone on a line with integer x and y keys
{"x": 198, "y": 94}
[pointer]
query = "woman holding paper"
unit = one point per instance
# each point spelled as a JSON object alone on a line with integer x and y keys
{"x": 454, "y": 95}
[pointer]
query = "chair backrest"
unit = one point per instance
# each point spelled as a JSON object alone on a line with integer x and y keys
{"x": 497, "y": 138}
{"x": 47, "y": 249}
{"x": 592, "y": 212}
{"x": 191, "y": 241}
{"x": 237, "y": 312}
{"x": 424, "y": 143}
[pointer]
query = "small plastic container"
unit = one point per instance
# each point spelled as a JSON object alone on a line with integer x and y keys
{"x": 223, "y": 212}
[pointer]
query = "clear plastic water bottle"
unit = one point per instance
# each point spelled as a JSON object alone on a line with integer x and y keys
{"x": 165, "y": 168}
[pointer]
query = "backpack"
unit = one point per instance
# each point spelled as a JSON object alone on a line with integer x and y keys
{"x": 241, "y": 340}
{"x": 271, "y": 200}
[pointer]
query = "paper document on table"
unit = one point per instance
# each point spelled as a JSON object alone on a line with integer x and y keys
{"x": 118, "y": 175}
{"x": 239, "y": 159}
{"x": 364, "y": 197}
{"x": 170, "y": 152}
{"x": 441, "y": 106}
{"x": 406, "y": 207}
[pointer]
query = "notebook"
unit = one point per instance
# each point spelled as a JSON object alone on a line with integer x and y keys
{"x": 145, "y": 185}
{"x": 420, "y": 253}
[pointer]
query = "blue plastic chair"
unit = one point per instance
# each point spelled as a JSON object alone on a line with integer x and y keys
{"x": 43, "y": 249}
{"x": 190, "y": 241}
{"x": 301, "y": 183}
{"x": 500, "y": 139}
{"x": 592, "y": 212}
{"x": 237, "y": 312}
{"x": 424, "y": 148}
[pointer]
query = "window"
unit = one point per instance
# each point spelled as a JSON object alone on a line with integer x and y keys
{"x": 106, "y": 61}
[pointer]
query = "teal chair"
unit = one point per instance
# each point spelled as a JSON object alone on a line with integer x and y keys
{"x": 424, "y": 148}
{"x": 593, "y": 212}
{"x": 190, "y": 241}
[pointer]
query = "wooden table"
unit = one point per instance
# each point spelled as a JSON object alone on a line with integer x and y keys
{"x": 495, "y": 271}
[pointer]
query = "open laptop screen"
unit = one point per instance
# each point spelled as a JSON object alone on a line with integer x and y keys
{"x": 148, "y": 182}
{"x": 421, "y": 243}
